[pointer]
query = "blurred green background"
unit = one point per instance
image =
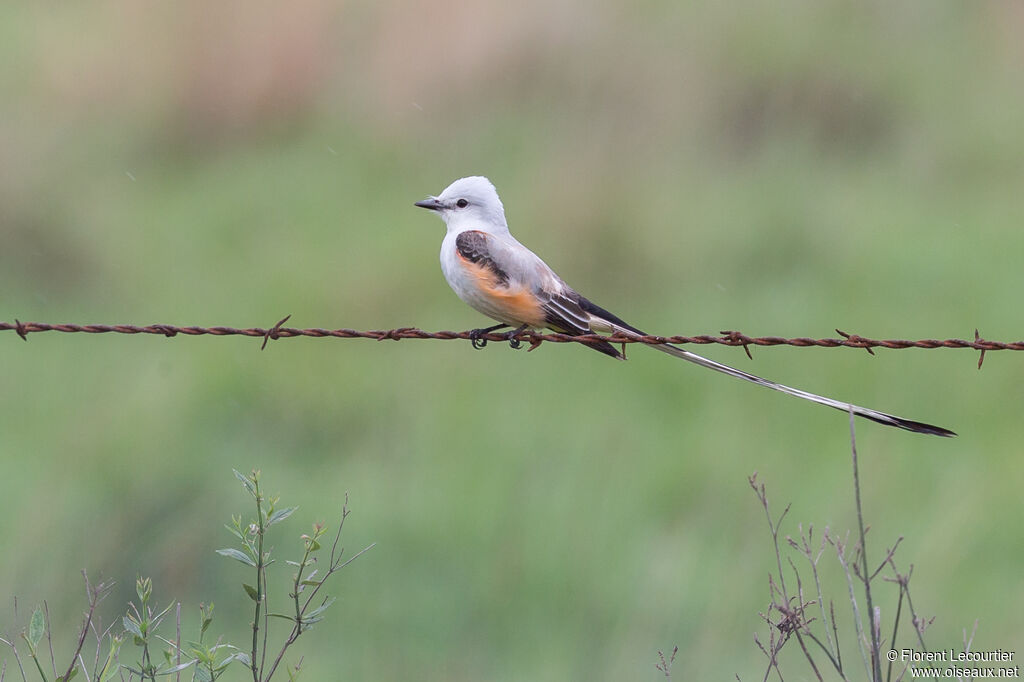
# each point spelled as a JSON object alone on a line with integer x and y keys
{"x": 781, "y": 168}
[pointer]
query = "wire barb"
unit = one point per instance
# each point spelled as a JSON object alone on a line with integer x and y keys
{"x": 272, "y": 333}
{"x": 734, "y": 335}
{"x": 853, "y": 338}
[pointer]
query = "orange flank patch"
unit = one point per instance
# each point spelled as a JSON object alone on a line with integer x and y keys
{"x": 521, "y": 305}
{"x": 516, "y": 305}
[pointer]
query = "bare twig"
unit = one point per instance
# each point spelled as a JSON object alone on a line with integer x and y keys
{"x": 841, "y": 546}
{"x": 95, "y": 594}
{"x": 876, "y": 662}
{"x": 812, "y": 559}
{"x": 17, "y": 656}
{"x": 666, "y": 666}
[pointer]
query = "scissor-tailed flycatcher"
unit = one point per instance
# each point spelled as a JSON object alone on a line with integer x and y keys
{"x": 505, "y": 281}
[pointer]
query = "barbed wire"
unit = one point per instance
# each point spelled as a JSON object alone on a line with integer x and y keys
{"x": 534, "y": 339}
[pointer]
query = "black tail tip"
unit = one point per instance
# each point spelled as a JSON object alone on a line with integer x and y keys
{"x": 921, "y": 427}
{"x": 908, "y": 424}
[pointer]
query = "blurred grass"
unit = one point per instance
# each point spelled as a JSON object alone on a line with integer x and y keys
{"x": 784, "y": 169}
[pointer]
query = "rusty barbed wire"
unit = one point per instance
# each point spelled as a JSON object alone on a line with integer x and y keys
{"x": 534, "y": 339}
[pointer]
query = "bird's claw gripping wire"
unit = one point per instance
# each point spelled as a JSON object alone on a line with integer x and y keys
{"x": 476, "y": 335}
{"x": 513, "y": 342}
{"x": 478, "y": 342}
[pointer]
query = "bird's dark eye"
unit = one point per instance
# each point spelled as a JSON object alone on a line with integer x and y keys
{"x": 462, "y": 203}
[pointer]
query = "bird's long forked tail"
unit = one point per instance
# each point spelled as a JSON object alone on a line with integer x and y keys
{"x": 866, "y": 412}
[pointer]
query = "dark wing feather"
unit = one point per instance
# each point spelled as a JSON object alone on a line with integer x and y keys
{"x": 472, "y": 245}
{"x": 598, "y": 311}
{"x": 565, "y": 312}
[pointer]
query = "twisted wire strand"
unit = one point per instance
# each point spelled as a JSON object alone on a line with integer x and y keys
{"x": 534, "y": 339}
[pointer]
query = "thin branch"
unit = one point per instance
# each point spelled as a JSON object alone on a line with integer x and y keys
{"x": 821, "y": 645}
{"x": 888, "y": 557}
{"x": 85, "y": 671}
{"x": 841, "y": 547}
{"x": 876, "y": 663}
{"x": 17, "y": 656}
{"x": 49, "y": 637}
{"x": 835, "y": 633}
{"x": 177, "y": 640}
{"x": 813, "y": 559}
{"x": 95, "y": 596}
{"x": 799, "y": 623}
{"x": 895, "y": 629}
{"x": 334, "y": 566}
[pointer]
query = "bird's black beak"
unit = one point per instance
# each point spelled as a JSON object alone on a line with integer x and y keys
{"x": 430, "y": 203}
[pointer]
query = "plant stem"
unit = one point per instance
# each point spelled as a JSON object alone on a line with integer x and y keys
{"x": 876, "y": 663}
{"x": 259, "y": 579}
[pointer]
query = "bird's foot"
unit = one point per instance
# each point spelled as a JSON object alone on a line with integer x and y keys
{"x": 477, "y": 342}
{"x": 513, "y": 342}
{"x": 476, "y": 336}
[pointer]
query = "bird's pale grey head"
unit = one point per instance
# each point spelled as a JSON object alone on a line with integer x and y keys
{"x": 468, "y": 203}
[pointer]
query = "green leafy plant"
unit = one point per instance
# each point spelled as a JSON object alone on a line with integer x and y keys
{"x": 307, "y": 581}
{"x": 162, "y": 657}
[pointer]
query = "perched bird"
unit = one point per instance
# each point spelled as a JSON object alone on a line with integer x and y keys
{"x": 491, "y": 271}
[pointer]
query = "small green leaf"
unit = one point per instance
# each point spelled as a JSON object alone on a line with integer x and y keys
{"x": 280, "y": 515}
{"x": 158, "y": 618}
{"x": 239, "y": 656}
{"x": 36, "y": 627}
{"x": 132, "y": 627}
{"x": 110, "y": 668}
{"x": 281, "y": 615}
{"x": 238, "y": 555}
{"x": 234, "y": 531}
{"x": 202, "y": 674}
{"x": 143, "y": 588}
{"x": 311, "y": 583}
{"x": 206, "y": 616}
{"x": 251, "y": 591}
{"x": 177, "y": 668}
{"x": 245, "y": 481}
{"x": 318, "y": 610}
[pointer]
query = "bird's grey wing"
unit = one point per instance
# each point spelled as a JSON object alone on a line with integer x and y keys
{"x": 565, "y": 311}
{"x": 562, "y": 311}
{"x": 513, "y": 265}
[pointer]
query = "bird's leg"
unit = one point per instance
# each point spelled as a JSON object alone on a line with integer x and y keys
{"x": 510, "y": 337}
{"x": 475, "y": 334}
